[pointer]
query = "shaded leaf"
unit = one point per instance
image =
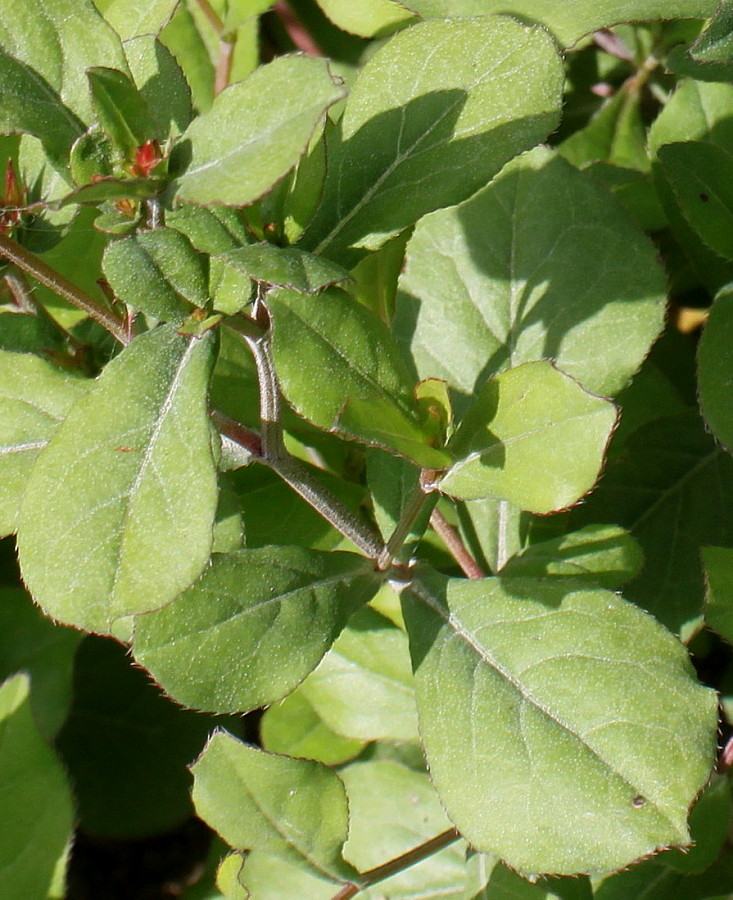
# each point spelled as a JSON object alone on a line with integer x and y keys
{"x": 531, "y": 419}
{"x": 715, "y": 368}
{"x": 120, "y": 109}
{"x": 434, "y": 115}
{"x": 121, "y": 489}
{"x": 256, "y": 131}
{"x": 718, "y": 568}
{"x": 294, "y": 809}
{"x": 287, "y": 267}
{"x": 569, "y": 692}
{"x": 161, "y": 83}
{"x": 366, "y": 17}
{"x": 253, "y": 626}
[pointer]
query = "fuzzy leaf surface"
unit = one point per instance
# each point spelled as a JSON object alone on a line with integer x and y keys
{"x": 35, "y": 796}
{"x": 295, "y": 809}
{"x": 256, "y": 131}
{"x": 134, "y": 18}
{"x": 253, "y": 626}
{"x": 35, "y": 397}
{"x": 569, "y": 21}
{"x": 366, "y": 18}
{"x": 434, "y": 115}
{"x": 118, "y": 512}
{"x": 339, "y": 368}
{"x": 541, "y": 264}
{"x": 569, "y": 693}
{"x": 287, "y": 267}
{"x": 120, "y": 109}
{"x": 161, "y": 83}
{"x": 534, "y": 437}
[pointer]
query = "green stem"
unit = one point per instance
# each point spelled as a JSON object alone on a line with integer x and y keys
{"x": 455, "y": 545}
{"x": 407, "y": 520}
{"x": 223, "y": 65}
{"x": 211, "y": 14}
{"x": 399, "y": 864}
{"x": 61, "y": 285}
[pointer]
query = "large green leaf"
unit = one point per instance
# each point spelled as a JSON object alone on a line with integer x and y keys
{"x": 256, "y": 131}
{"x": 127, "y": 747}
{"x": 35, "y": 800}
{"x": 560, "y": 696}
{"x": 534, "y": 437}
{"x": 118, "y": 513}
{"x": 339, "y": 368}
{"x": 715, "y": 362}
{"x": 363, "y": 686}
{"x": 672, "y": 489}
{"x": 133, "y": 18}
{"x": 158, "y": 272}
{"x": 34, "y": 398}
{"x": 294, "y": 809}
{"x": 60, "y": 40}
{"x": 570, "y": 20}
{"x": 541, "y": 264}
{"x": 161, "y": 82}
{"x": 253, "y": 626}
{"x": 434, "y": 115}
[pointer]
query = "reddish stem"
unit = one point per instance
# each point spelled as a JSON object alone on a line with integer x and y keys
{"x": 297, "y": 32}
{"x": 455, "y": 545}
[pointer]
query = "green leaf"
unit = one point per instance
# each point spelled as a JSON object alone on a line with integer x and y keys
{"x": 434, "y": 115}
{"x": 701, "y": 176}
{"x": 34, "y": 796}
{"x": 35, "y": 397}
{"x": 363, "y": 686}
{"x": 294, "y": 809}
{"x": 256, "y": 131}
{"x": 569, "y": 692}
{"x": 286, "y": 267}
{"x": 715, "y": 365}
{"x": 103, "y": 190}
{"x": 158, "y": 272}
{"x": 606, "y": 554}
{"x": 394, "y": 485}
{"x": 161, "y": 83}
{"x": 30, "y": 105}
{"x": 60, "y": 40}
{"x": 541, "y": 264}
{"x": 135, "y": 18}
{"x": 672, "y": 490}
{"x": 368, "y": 392}
{"x": 531, "y": 419}
{"x": 367, "y": 18}
{"x": 253, "y": 626}
{"x": 121, "y": 109}
{"x": 211, "y": 229}
{"x": 183, "y": 39}
{"x": 570, "y": 21}
{"x": 30, "y": 643}
{"x": 127, "y": 747}
{"x": 718, "y": 567}
{"x": 294, "y": 728}
{"x": 708, "y": 828}
{"x": 121, "y": 489}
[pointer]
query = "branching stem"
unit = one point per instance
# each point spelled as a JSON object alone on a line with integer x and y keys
{"x": 28, "y": 262}
{"x": 402, "y": 529}
{"x": 399, "y": 864}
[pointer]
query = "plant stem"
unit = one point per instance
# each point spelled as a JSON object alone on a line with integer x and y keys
{"x": 223, "y": 65}
{"x": 402, "y": 529}
{"x": 211, "y": 14}
{"x": 61, "y": 285}
{"x": 237, "y": 432}
{"x": 416, "y": 855}
{"x": 455, "y": 545}
{"x": 302, "y": 39}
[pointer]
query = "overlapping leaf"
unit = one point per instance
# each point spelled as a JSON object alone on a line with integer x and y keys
{"x": 434, "y": 115}
{"x": 560, "y": 696}
{"x": 366, "y": 17}
{"x": 541, "y": 264}
{"x": 253, "y": 626}
{"x": 287, "y": 267}
{"x": 715, "y": 373}
{"x": 118, "y": 514}
{"x": 133, "y": 18}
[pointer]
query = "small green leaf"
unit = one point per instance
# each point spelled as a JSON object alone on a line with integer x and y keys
{"x": 158, "y": 272}
{"x": 294, "y": 728}
{"x": 606, "y": 554}
{"x": 103, "y": 190}
{"x": 701, "y": 176}
{"x": 34, "y": 796}
{"x": 211, "y": 229}
{"x": 292, "y": 808}
{"x": 534, "y": 437}
{"x": 253, "y": 626}
{"x": 256, "y": 131}
{"x": 121, "y": 489}
{"x": 35, "y": 398}
{"x": 541, "y": 264}
{"x": 161, "y": 83}
{"x": 569, "y": 21}
{"x": 120, "y": 109}
{"x": 435, "y": 114}
{"x": 286, "y": 267}
{"x": 570, "y": 693}
{"x": 134, "y": 18}
{"x": 367, "y": 392}
{"x": 367, "y": 18}
{"x": 715, "y": 367}
{"x": 92, "y": 155}
{"x": 363, "y": 686}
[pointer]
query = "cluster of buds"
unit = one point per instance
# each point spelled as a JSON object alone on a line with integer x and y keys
{"x": 13, "y": 202}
